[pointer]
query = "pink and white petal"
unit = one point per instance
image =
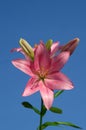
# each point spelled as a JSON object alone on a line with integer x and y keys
{"x": 21, "y": 51}
{"x": 16, "y": 49}
{"x": 58, "y": 84}
{"x": 59, "y": 76}
{"x": 54, "y": 48}
{"x": 59, "y": 61}
{"x": 23, "y": 65}
{"x": 47, "y": 95}
{"x": 42, "y": 58}
{"x": 31, "y": 87}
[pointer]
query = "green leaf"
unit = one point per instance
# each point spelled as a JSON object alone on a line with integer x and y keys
{"x": 56, "y": 110}
{"x": 49, "y": 44}
{"x": 58, "y": 93}
{"x": 29, "y": 106}
{"x": 69, "y": 124}
{"x": 46, "y": 124}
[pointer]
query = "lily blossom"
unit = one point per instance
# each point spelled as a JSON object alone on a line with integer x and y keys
{"x": 45, "y": 72}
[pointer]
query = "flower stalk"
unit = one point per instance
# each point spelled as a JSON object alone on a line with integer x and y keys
{"x": 41, "y": 114}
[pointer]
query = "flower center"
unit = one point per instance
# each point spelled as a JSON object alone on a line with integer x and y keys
{"x": 42, "y": 73}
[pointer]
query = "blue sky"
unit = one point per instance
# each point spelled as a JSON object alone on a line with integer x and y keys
{"x": 34, "y": 21}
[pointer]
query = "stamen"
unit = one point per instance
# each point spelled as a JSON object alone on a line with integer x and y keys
{"x": 42, "y": 73}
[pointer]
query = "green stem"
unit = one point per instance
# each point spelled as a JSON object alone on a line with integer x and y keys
{"x": 41, "y": 114}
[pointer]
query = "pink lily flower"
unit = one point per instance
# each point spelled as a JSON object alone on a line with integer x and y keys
{"x": 45, "y": 71}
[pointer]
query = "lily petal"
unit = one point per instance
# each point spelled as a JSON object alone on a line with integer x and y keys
{"x": 57, "y": 84}
{"x": 42, "y": 58}
{"x": 31, "y": 87}
{"x": 54, "y": 48}
{"x": 47, "y": 95}
{"x": 21, "y": 51}
{"x": 59, "y": 76}
{"x": 17, "y": 49}
{"x": 58, "y": 81}
{"x": 23, "y": 65}
{"x": 59, "y": 61}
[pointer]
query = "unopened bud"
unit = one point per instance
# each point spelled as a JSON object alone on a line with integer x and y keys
{"x": 27, "y": 48}
{"x": 49, "y": 44}
{"x": 70, "y": 46}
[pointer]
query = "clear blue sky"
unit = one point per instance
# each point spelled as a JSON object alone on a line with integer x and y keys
{"x": 35, "y": 20}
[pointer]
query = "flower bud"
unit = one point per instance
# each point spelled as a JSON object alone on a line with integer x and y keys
{"x": 49, "y": 44}
{"x": 27, "y": 48}
{"x": 70, "y": 46}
